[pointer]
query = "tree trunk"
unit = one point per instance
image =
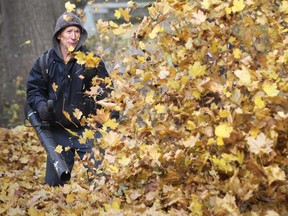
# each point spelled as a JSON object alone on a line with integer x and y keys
{"x": 21, "y": 21}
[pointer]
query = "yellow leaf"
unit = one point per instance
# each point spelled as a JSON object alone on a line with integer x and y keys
{"x": 71, "y": 49}
{"x": 222, "y": 164}
{"x": 206, "y": 4}
{"x": 237, "y": 53}
{"x": 223, "y": 130}
{"x": 81, "y": 57}
{"x": 112, "y": 139}
{"x": 125, "y": 13}
{"x": 197, "y": 70}
{"x": 224, "y": 113}
{"x": 160, "y": 108}
{"x": 196, "y": 94}
{"x": 113, "y": 169}
{"x": 70, "y": 198}
{"x": 284, "y": 7}
{"x": 58, "y": 149}
{"x": 142, "y": 45}
{"x": 238, "y": 5}
{"x": 32, "y": 211}
{"x": 220, "y": 141}
{"x": 92, "y": 61}
{"x": 150, "y": 97}
{"x": 88, "y": 134}
{"x": 244, "y": 76}
{"x": 153, "y": 34}
{"x": 174, "y": 84}
{"x": 117, "y": 14}
{"x": 77, "y": 114}
{"x": 270, "y": 89}
{"x": 195, "y": 205}
{"x": 70, "y": 7}
{"x": 67, "y": 115}
{"x": 102, "y": 26}
{"x": 25, "y": 43}
{"x": 259, "y": 102}
{"x": 120, "y": 30}
{"x": 115, "y": 206}
{"x": 111, "y": 123}
{"x": 124, "y": 161}
{"x": 130, "y": 3}
{"x": 54, "y": 87}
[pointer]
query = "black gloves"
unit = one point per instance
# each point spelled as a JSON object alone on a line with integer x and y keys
{"x": 43, "y": 111}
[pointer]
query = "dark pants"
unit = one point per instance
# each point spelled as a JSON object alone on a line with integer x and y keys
{"x": 66, "y": 140}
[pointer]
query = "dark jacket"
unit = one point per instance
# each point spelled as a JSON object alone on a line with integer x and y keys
{"x": 66, "y": 83}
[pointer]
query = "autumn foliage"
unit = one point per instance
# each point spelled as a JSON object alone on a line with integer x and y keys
{"x": 203, "y": 120}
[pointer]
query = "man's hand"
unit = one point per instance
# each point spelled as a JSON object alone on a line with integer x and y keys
{"x": 43, "y": 111}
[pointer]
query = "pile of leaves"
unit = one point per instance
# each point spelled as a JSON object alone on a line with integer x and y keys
{"x": 203, "y": 120}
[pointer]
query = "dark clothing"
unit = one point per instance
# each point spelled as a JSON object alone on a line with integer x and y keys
{"x": 66, "y": 85}
{"x": 70, "y": 141}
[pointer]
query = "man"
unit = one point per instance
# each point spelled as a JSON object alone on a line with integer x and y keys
{"x": 66, "y": 83}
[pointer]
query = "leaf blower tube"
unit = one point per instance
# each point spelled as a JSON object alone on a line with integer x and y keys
{"x": 48, "y": 142}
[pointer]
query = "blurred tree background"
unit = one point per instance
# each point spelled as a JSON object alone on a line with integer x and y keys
{"x": 29, "y": 21}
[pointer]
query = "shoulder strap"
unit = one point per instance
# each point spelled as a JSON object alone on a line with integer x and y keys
{"x": 44, "y": 64}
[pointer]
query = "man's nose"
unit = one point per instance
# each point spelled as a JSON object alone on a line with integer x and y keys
{"x": 74, "y": 35}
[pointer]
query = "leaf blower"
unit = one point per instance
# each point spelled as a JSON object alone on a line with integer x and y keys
{"x": 46, "y": 139}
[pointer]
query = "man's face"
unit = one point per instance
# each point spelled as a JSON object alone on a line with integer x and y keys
{"x": 69, "y": 37}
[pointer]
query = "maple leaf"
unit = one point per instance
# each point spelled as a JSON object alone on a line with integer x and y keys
{"x": 58, "y": 149}
{"x": 81, "y": 57}
{"x": 160, "y": 108}
{"x": 270, "y": 89}
{"x": 86, "y": 135}
{"x": 111, "y": 123}
{"x": 102, "y": 26}
{"x": 199, "y": 17}
{"x": 92, "y": 61}
{"x": 260, "y": 145}
{"x": 125, "y": 13}
{"x": 112, "y": 139}
{"x": 238, "y": 5}
{"x": 259, "y": 102}
{"x": 70, "y": 7}
{"x": 197, "y": 70}
{"x": 223, "y": 130}
{"x": 102, "y": 116}
{"x": 77, "y": 114}
{"x": 244, "y": 76}
{"x": 94, "y": 91}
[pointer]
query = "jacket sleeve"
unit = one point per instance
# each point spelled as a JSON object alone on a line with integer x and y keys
{"x": 37, "y": 91}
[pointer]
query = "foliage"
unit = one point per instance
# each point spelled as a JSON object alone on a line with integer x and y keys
{"x": 203, "y": 126}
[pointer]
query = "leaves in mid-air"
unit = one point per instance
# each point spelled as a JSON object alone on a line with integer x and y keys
{"x": 202, "y": 94}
